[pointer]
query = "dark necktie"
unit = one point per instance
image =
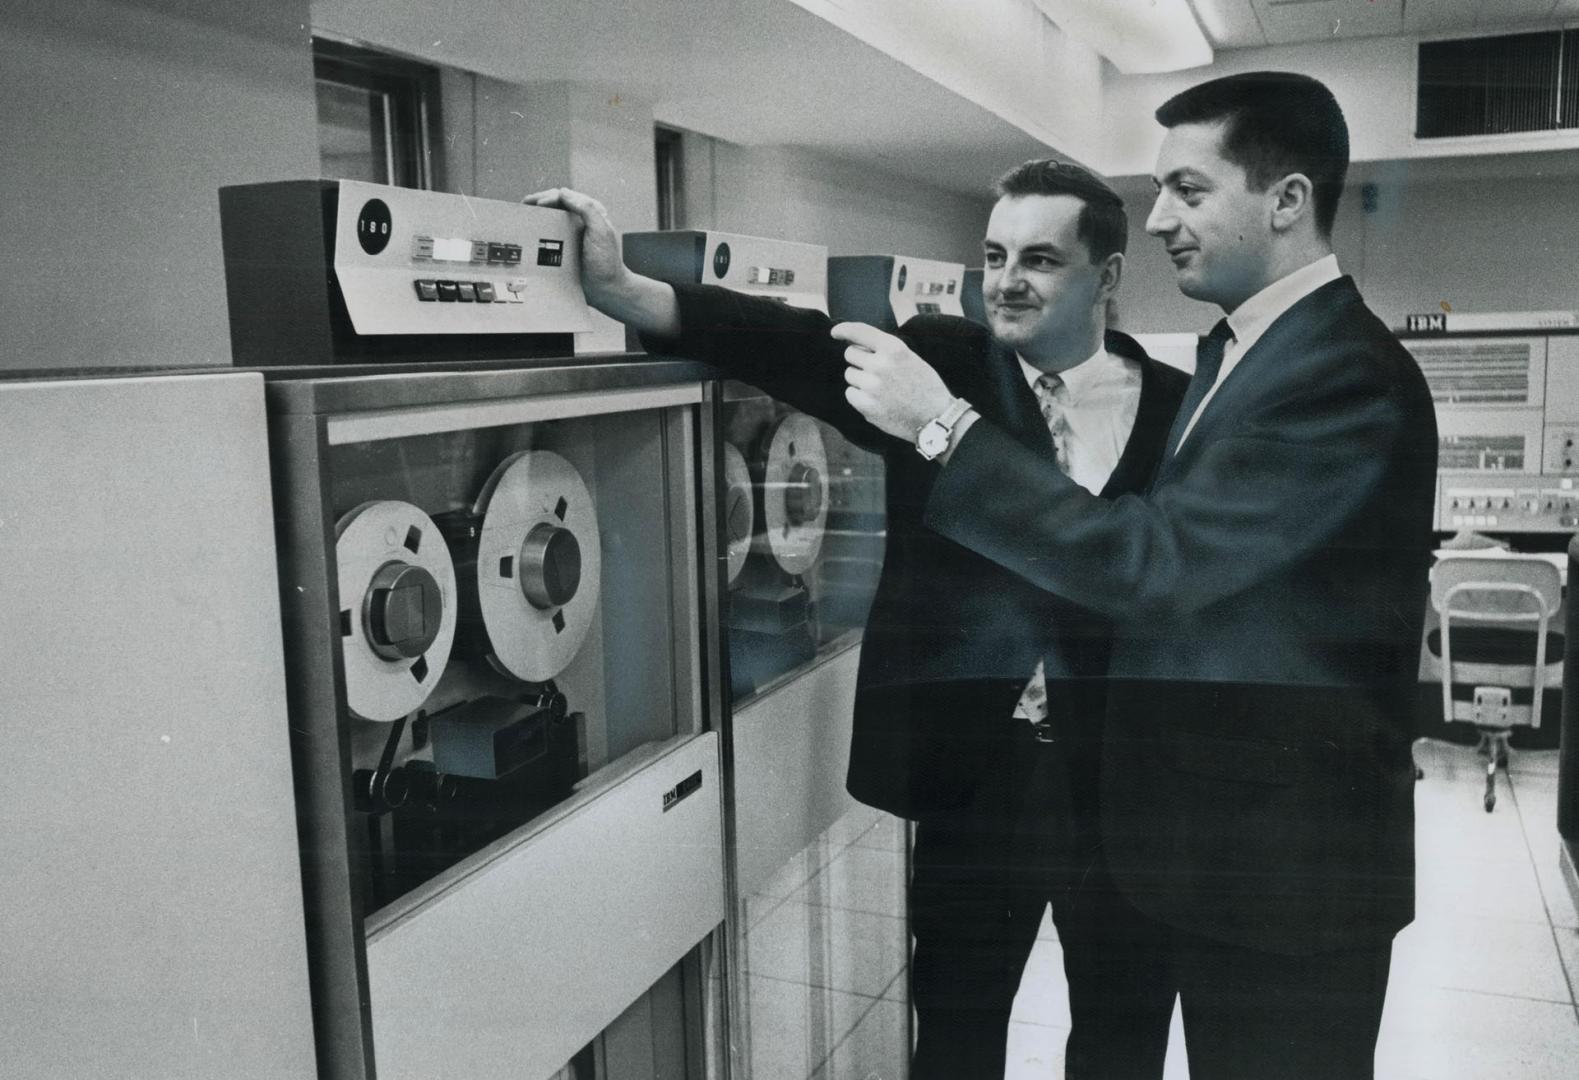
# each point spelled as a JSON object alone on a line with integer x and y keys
{"x": 1208, "y": 362}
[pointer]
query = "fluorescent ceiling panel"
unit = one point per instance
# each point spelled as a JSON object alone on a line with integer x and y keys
{"x": 1138, "y": 37}
{"x": 1432, "y": 16}
{"x": 1232, "y": 24}
{"x": 1290, "y": 21}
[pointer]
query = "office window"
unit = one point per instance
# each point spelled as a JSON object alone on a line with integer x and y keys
{"x": 671, "y": 180}
{"x": 377, "y": 115}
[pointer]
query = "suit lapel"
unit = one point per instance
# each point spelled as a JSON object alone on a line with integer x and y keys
{"x": 1273, "y": 359}
{"x": 1009, "y": 401}
{"x": 1138, "y": 462}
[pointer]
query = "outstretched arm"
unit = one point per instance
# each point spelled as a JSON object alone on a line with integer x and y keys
{"x": 642, "y": 303}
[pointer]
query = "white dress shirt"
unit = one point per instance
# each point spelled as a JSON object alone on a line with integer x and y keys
{"x": 1251, "y": 318}
{"x": 1100, "y": 396}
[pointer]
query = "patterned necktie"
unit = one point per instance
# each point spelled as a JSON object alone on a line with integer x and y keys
{"x": 1032, "y": 706}
{"x": 1053, "y": 414}
{"x": 1208, "y": 362}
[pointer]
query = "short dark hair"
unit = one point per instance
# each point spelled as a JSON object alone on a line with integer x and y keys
{"x": 1103, "y": 226}
{"x": 1276, "y": 123}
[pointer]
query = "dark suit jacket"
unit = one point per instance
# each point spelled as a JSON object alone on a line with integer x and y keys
{"x": 1268, "y": 596}
{"x": 952, "y": 636}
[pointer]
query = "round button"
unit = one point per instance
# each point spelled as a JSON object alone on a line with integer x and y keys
{"x": 803, "y": 494}
{"x": 550, "y": 566}
{"x": 402, "y": 611}
{"x": 721, "y": 260}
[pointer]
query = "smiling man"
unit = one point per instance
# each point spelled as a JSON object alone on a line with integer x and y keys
{"x": 1267, "y": 594}
{"x": 980, "y": 696}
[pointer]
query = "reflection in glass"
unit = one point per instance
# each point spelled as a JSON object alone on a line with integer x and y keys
{"x": 353, "y": 133}
{"x": 803, "y": 520}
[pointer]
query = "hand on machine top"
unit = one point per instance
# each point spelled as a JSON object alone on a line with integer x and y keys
{"x": 641, "y": 303}
{"x": 889, "y": 384}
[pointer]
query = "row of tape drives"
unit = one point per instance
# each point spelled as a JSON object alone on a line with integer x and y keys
{"x": 515, "y": 606}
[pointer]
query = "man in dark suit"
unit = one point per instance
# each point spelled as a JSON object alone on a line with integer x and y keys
{"x": 977, "y": 690}
{"x": 1267, "y": 595}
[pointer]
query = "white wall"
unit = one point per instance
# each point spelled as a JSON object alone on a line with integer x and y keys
{"x": 1477, "y": 241}
{"x": 1372, "y": 78}
{"x": 121, "y": 122}
{"x": 1505, "y": 245}
{"x": 503, "y": 140}
{"x": 792, "y": 194}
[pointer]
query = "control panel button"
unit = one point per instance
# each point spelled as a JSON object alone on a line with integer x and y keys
{"x": 479, "y": 251}
{"x": 512, "y": 254}
{"x": 422, "y": 247}
{"x": 485, "y": 293}
{"x": 427, "y": 290}
{"x": 448, "y": 292}
{"x": 497, "y": 253}
{"x": 515, "y": 290}
{"x": 466, "y": 292}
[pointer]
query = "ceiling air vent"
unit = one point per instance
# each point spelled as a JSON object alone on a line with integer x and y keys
{"x": 1498, "y": 85}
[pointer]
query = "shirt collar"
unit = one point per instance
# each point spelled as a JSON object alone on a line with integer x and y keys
{"x": 1078, "y": 379}
{"x": 1251, "y": 318}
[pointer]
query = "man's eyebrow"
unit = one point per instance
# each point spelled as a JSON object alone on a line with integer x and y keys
{"x": 1175, "y": 176}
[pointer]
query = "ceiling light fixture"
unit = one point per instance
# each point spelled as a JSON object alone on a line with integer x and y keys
{"x": 1139, "y": 37}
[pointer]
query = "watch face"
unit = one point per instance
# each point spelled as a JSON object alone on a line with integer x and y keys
{"x": 932, "y": 440}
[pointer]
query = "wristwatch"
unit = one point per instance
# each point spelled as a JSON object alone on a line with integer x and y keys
{"x": 933, "y": 438}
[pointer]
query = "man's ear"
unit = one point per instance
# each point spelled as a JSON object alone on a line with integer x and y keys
{"x": 1112, "y": 274}
{"x": 1294, "y": 200}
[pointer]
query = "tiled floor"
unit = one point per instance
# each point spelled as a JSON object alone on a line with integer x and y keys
{"x": 1482, "y": 985}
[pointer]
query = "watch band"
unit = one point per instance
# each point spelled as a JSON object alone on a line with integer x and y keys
{"x": 939, "y": 429}
{"x": 952, "y": 414}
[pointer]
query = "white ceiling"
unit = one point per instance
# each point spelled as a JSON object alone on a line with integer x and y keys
{"x": 1250, "y": 23}
{"x": 752, "y": 72}
{"x": 768, "y": 72}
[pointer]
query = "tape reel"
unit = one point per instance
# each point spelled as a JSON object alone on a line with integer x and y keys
{"x": 740, "y": 509}
{"x": 538, "y": 564}
{"x": 795, "y": 493}
{"x": 397, "y": 607}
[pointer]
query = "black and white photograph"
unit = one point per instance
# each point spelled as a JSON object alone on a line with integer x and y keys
{"x": 789, "y": 539}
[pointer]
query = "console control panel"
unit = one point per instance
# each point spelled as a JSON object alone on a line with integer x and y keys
{"x": 1510, "y": 503}
{"x": 424, "y": 262}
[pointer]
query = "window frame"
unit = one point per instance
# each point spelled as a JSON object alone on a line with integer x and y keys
{"x": 410, "y": 122}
